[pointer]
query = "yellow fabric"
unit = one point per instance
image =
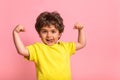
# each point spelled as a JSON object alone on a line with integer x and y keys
{"x": 52, "y": 62}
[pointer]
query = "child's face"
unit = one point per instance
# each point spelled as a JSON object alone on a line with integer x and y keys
{"x": 49, "y": 35}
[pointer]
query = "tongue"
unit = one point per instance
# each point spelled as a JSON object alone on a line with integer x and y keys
{"x": 49, "y": 40}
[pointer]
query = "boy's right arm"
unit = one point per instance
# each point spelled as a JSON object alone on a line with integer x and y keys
{"x": 22, "y": 50}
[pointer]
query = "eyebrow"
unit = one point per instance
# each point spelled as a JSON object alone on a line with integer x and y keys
{"x": 46, "y": 29}
{"x": 42, "y": 29}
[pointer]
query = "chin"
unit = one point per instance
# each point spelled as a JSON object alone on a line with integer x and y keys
{"x": 50, "y": 44}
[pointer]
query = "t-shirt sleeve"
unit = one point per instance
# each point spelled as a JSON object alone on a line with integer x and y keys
{"x": 32, "y": 53}
{"x": 71, "y": 47}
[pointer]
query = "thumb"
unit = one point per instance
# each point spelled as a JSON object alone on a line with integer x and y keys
{"x": 22, "y": 30}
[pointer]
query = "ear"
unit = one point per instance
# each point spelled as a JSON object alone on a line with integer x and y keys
{"x": 60, "y": 35}
{"x": 39, "y": 35}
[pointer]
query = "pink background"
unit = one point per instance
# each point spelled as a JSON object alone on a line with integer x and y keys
{"x": 99, "y": 60}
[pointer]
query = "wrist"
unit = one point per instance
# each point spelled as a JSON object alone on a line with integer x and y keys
{"x": 80, "y": 29}
{"x": 15, "y": 32}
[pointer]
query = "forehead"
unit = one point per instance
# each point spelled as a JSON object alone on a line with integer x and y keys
{"x": 51, "y": 27}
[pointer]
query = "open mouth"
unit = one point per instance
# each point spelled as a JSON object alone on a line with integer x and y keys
{"x": 49, "y": 40}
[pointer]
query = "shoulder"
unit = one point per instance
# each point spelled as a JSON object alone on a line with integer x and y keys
{"x": 64, "y": 43}
{"x": 67, "y": 44}
{"x": 36, "y": 44}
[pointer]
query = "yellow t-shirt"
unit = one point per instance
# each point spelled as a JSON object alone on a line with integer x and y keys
{"x": 52, "y": 62}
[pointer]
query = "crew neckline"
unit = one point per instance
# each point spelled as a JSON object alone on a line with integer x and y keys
{"x": 56, "y": 44}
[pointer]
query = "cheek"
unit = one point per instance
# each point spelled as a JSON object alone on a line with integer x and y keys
{"x": 58, "y": 36}
{"x": 41, "y": 36}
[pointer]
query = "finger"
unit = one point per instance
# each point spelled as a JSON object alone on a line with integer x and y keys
{"x": 22, "y": 30}
{"x": 75, "y": 27}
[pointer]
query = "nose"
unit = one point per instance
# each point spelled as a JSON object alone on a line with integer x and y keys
{"x": 48, "y": 34}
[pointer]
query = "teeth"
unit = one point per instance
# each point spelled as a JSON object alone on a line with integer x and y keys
{"x": 49, "y": 40}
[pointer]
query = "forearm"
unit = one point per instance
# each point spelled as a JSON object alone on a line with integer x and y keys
{"x": 19, "y": 44}
{"x": 81, "y": 37}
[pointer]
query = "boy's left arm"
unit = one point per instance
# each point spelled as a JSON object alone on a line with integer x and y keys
{"x": 81, "y": 36}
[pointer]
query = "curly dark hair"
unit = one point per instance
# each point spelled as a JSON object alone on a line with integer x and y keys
{"x": 49, "y": 18}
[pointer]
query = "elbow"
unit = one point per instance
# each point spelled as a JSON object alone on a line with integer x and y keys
{"x": 23, "y": 53}
{"x": 80, "y": 46}
{"x": 83, "y": 45}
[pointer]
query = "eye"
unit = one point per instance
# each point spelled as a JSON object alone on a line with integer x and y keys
{"x": 53, "y": 31}
{"x": 43, "y": 31}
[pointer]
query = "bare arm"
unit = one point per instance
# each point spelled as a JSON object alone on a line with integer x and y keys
{"x": 18, "y": 42}
{"x": 81, "y": 36}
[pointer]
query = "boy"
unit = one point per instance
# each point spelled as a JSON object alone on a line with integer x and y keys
{"x": 51, "y": 56}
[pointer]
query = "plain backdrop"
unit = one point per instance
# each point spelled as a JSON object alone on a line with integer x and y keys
{"x": 99, "y": 60}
